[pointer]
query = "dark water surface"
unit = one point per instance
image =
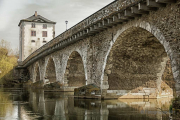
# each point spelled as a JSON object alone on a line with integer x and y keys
{"x": 21, "y": 104}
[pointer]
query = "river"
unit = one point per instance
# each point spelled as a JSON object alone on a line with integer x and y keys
{"x": 28, "y": 104}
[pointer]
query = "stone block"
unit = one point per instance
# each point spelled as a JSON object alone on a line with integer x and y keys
{"x": 105, "y": 78}
{"x": 68, "y": 65}
{"x": 105, "y": 87}
{"x": 105, "y": 83}
{"x": 109, "y": 66}
{"x": 67, "y": 71}
{"x": 176, "y": 74}
{"x": 108, "y": 71}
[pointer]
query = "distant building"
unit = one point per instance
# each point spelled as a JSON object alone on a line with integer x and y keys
{"x": 35, "y": 31}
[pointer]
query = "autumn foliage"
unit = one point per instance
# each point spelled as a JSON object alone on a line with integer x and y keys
{"x": 8, "y": 59}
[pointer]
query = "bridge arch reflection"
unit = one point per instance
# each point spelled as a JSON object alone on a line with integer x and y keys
{"x": 57, "y": 106}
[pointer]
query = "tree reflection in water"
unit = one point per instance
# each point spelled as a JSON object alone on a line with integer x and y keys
{"x": 5, "y": 104}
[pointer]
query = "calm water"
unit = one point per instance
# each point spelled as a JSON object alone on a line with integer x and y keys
{"x": 21, "y": 104}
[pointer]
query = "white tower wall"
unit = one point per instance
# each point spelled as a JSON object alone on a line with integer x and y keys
{"x": 28, "y": 43}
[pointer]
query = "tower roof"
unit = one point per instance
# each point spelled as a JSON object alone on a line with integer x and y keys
{"x": 36, "y": 18}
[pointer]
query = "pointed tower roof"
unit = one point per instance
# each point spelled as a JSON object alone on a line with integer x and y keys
{"x": 36, "y": 18}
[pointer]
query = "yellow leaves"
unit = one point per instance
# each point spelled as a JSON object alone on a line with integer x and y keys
{"x": 6, "y": 65}
{"x": 7, "y": 60}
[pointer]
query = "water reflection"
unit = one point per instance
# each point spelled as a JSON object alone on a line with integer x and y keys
{"x": 5, "y": 105}
{"x": 30, "y": 104}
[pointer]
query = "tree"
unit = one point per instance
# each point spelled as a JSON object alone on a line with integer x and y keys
{"x": 7, "y": 59}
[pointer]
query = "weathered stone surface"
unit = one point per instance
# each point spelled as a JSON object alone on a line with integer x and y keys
{"x": 75, "y": 71}
{"x": 50, "y": 71}
{"x": 90, "y": 90}
{"x": 38, "y": 84}
{"x": 108, "y": 71}
{"x": 54, "y": 85}
{"x": 36, "y": 73}
{"x": 136, "y": 57}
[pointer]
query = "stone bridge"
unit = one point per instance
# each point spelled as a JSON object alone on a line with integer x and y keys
{"x": 129, "y": 48}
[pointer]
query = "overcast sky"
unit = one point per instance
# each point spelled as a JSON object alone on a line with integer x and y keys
{"x": 12, "y": 11}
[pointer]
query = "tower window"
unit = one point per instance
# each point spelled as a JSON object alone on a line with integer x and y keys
{"x": 32, "y": 40}
{"x": 44, "y": 33}
{"x": 44, "y": 26}
{"x": 33, "y": 33}
{"x": 33, "y": 25}
{"x": 44, "y": 41}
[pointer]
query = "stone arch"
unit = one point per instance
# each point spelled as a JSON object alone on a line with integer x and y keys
{"x": 50, "y": 70}
{"x": 153, "y": 32}
{"x": 66, "y": 56}
{"x": 37, "y": 73}
{"x": 74, "y": 75}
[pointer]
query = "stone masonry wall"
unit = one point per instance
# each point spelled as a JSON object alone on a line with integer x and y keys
{"x": 37, "y": 73}
{"x": 134, "y": 60}
{"x": 75, "y": 71}
{"x": 50, "y": 71}
{"x": 95, "y": 51}
{"x": 163, "y": 24}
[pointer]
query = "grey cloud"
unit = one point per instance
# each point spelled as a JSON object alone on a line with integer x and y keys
{"x": 56, "y": 10}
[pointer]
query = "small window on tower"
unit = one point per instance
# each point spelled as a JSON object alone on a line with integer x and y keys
{"x": 32, "y": 40}
{"x": 44, "y": 33}
{"x": 44, "y": 41}
{"x": 33, "y": 33}
{"x": 33, "y": 25}
{"x": 44, "y": 26}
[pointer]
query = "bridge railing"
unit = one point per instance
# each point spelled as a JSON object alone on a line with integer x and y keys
{"x": 110, "y": 9}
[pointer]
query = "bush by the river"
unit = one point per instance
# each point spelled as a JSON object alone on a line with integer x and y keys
{"x": 8, "y": 60}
